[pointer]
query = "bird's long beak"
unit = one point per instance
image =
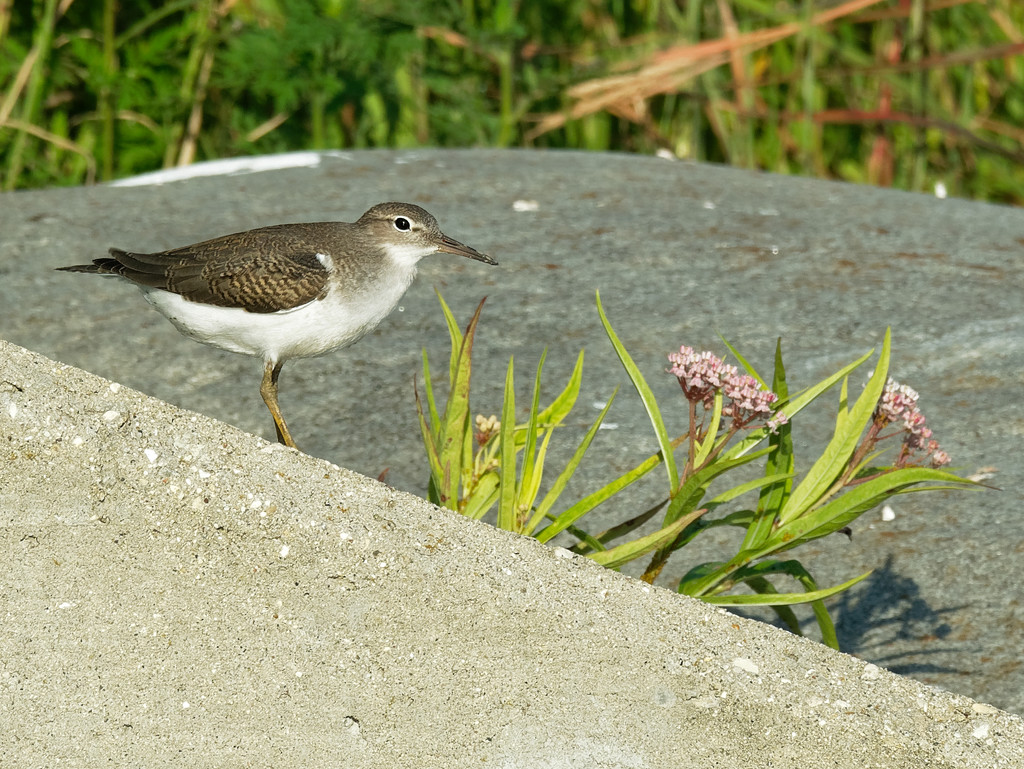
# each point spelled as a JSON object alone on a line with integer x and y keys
{"x": 452, "y": 246}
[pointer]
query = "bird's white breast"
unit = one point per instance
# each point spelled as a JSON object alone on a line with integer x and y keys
{"x": 341, "y": 318}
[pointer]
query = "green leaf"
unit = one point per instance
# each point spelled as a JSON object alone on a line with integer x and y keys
{"x": 782, "y": 599}
{"x": 856, "y": 500}
{"x": 454, "y": 333}
{"x": 849, "y": 429}
{"x": 796, "y": 570}
{"x": 703, "y": 450}
{"x": 781, "y": 461}
{"x": 787, "y": 615}
{"x": 563, "y": 404}
{"x": 743, "y": 361}
{"x": 646, "y": 396}
{"x": 795, "y": 405}
{"x": 430, "y": 446}
{"x": 531, "y": 472}
{"x": 630, "y": 551}
{"x": 456, "y": 417}
{"x": 570, "y": 468}
{"x": 507, "y": 467}
{"x": 743, "y": 488}
{"x": 435, "y": 420}
{"x": 588, "y": 503}
{"x": 622, "y": 529}
{"x": 483, "y": 497}
{"x": 693, "y": 490}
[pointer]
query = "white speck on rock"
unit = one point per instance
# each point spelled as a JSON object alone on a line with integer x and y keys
{"x": 115, "y": 387}
{"x": 285, "y": 549}
{"x": 525, "y": 205}
{"x": 871, "y": 673}
{"x": 110, "y": 416}
{"x": 13, "y": 410}
{"x": 747, "y": 665}
{"x": 151, "y": 455}
{"x": 888, "y": 514}
{"x": 982, "y": 731}
{"x": 561, "y": 552}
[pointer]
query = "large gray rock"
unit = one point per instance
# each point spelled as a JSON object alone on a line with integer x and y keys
{"x": 679, "y": 252}
{"x": 180, "y": 593}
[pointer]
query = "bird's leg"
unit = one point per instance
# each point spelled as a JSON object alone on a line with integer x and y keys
{"x": 268, "y": 389}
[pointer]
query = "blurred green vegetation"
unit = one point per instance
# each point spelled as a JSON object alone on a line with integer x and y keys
{"x": 907, "y": 93}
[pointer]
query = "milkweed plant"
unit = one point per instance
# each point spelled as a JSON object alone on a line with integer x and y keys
{"x": 479, "y": 464}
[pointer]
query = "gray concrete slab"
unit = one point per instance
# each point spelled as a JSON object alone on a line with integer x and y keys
{"x": 680, "y": 252}
{"x": 180, "y": 593}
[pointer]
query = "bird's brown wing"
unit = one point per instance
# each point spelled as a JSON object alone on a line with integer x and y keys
{"x": 264, "y": 270}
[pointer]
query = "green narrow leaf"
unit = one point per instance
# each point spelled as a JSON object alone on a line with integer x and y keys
{"x": 743, "y": 488}
{"x": 646, "y": 396}
{"x": 637, "y": 548}
{"x": 507, "y": 468}
{"x": 483, "y": 498}
{"x": 743, "y": 361}
{"x": 693, "y": 490}
{"x": 782, "y": 599}
{"x": 788, "y": 616}
{"x": 588, "y": 503}
{"x": 454, "y": 333}
{"x": 781, "y": 461}
{"x": 796, "y": 570}
{"x": 622, "y": 529}
{"x": 530, "y": 474}
{"x": 433, "y": 459}
{"x": 563, "y": 404}
{"x": 856, "y": 500}
{"x": 832, "y": 462}
{"x": 794, "y": 406}
{"x": 703, "y": 450}
{"x": 570, "y": 468}
{"x": 435, "y": 420}
{"x": 456, "y": 418}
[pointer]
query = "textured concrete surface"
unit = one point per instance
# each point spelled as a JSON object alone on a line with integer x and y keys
{"x": 679, "y": 252}
{"x": 180, "y": 593}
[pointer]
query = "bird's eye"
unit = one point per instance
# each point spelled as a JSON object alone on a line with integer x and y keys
{"x": 403, "y": 224}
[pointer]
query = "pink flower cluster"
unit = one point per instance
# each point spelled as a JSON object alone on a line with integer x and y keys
{"x": 702, "y": 374}
{"x": 899, "y": 404}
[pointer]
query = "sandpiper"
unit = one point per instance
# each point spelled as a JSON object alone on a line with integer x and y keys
{"x": 289, "y": 290}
